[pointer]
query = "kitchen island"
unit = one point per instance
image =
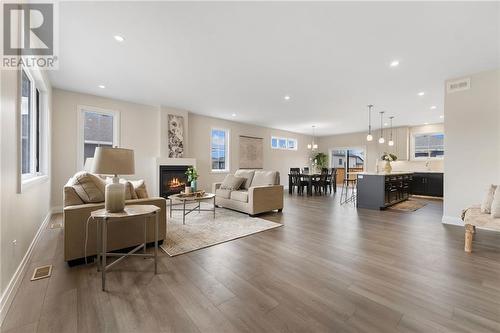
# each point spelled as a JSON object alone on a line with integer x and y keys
{"x": 381, "y": 190}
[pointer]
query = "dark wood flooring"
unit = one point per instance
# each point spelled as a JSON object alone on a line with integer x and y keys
{"x": 331, "y": 268}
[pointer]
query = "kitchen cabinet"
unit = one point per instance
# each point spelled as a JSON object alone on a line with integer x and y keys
{"x": 427, "y": 183}
{"x": 382, "y": 190}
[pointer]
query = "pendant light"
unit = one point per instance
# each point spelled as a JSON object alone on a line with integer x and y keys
{"x": 369, "y": 137}
{"x": 313, "y": 145}
{"x": 391, "y": 142}
{"x": 381, "y": 139}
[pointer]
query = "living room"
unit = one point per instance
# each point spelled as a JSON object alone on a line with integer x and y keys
{"x": 267, "y": 166}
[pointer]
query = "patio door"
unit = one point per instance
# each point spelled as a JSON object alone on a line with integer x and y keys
{"x": 346, "y": 160}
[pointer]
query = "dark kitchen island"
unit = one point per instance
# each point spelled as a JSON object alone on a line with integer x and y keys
{"x": 381, "y": 190}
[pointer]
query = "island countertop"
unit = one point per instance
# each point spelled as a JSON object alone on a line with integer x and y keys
{"x": 395, "y": 173}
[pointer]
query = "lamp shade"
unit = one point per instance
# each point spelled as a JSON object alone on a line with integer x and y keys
{"x": 113, "y": 161}
{"x": 88, "y": 164}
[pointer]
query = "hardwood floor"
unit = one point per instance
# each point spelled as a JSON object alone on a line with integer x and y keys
{"x": 331, "y": 268}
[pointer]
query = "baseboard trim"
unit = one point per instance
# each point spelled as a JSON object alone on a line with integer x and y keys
{"x": 453, "y": 220}
{"x": 15, "y": 281}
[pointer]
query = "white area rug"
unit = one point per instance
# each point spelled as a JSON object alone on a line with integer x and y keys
{"x": 202, "y": 230}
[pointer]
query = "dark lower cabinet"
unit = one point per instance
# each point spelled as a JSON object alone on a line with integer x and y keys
{"x": 427, "y": 183}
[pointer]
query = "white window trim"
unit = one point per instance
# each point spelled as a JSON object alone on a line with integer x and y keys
{"x": 278, "y": 138}
{"x": 412, "y": 148}
{"x": 228, "y": 158}
{"x": 26, "y": 181}
{"x": 80, "y": 130}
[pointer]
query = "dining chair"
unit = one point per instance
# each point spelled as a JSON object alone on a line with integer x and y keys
{"x": 320, "y": 184}
{"x": 297, "y": 180}
{"x": 332, "y": 180}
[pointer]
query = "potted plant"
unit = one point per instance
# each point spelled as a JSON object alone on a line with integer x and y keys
{"x": 192, "y": 175}
{"x": 388, "y": 158}
{"x": 321, "y": 160}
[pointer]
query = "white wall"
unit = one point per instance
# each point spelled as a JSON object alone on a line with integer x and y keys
{"x": 280, "y": 160}
{"x": 472, "y": 124}
{"x": 374, "y": 150}
{"x": 22, "y": 213}
{"x": 139, "y": 130}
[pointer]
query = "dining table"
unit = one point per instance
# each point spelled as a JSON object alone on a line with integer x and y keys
{"x": 309, "y": 177}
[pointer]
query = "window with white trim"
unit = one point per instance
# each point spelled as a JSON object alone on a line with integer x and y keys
{"x": 219, "y": 150}
{"x": 428, "y": 146}
{"x": 98, "y": 128}
{"x": 31, "y": 128}
{"x": 283, "y": 143}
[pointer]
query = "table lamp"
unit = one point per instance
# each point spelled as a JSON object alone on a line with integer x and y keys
{"x": 114, "y": 161}
{"x": 88, "y": 164}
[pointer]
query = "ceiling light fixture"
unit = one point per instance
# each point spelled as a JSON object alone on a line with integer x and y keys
{"x": 433, "y": 107}
{"x": 119, "y": 38}
{"x": 381, "y": 139}
{"x": 286, "y": 98}
{"x": 391, "y": 142}
{"x": 102, "y": 86}
{"x": 233, "y": 115}
{"x": 394, "y": 63}
{"x": 312, "y": 145}
{"x": 369, "y": 137}
{"x": 422, "y": 93}
{"x": 441, "y": 116}
{"x": 426, "y": 123}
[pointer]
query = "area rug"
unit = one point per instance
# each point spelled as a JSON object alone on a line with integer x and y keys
{"x": 202, "y": 230}
{"x": 409, "y": 205}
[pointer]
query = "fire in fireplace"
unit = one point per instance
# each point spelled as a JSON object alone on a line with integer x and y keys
{"x": 172, "y": 179}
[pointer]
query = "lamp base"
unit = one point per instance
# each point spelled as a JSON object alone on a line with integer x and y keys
{"x": 114, "y": 195}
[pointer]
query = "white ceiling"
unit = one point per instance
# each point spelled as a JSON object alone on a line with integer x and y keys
{"x": 332, "y": 58}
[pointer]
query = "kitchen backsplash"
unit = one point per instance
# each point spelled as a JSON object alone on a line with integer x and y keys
{"x": 415, "y": 166}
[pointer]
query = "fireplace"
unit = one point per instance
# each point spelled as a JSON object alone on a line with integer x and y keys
{"x": 172, "y": 179}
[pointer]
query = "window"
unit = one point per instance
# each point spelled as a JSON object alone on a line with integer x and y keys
{"x": 219, "y": 142}
{"x": 98, "y": 128}
{"x": 428, "y": 146}
{"x": 283, "y": 143}
{"x": 31, "y": 123}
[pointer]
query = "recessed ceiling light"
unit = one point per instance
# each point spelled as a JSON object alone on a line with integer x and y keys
{"x": 286, "y": 98}
{"x": 234, "y": 114}
{"x": 102, "y": 86}
{"x": 385, "y": 124}
{"x": 394, "y": 63}
{"x": 433, "y": 107}
{"x": 441, "y": 116}
{"x": 422, "y": 93}
{"x": 119, "y": 38}
{"x": 426, "y": 123}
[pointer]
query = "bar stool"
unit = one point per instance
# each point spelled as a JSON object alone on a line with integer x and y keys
{"x": 348, "y": 185}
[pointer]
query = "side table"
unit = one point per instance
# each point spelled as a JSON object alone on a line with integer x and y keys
{"x": 102, "y": 217}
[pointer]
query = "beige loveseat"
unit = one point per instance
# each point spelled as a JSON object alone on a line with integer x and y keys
{"x": 261, "y": 192}
{"x": 77, "y": 193}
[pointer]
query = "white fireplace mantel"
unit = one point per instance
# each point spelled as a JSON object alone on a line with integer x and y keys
{"x": 175, "y": 161}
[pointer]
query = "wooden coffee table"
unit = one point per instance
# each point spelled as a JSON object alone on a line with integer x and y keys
{"x": 190, "y": 200}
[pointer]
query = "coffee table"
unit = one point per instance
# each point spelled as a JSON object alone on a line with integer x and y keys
{"x": 190, "y": 200}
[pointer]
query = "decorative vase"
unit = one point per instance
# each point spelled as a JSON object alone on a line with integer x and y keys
{"x": 388, "y": 167}
{"x": 193, "y": 185}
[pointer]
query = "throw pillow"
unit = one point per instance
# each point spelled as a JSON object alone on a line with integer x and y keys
{"x": 248, "y": 175}
{"x": 89, "y": 187}
{"x": 232, "y": 183}
{"x": 495, "y": 205}
{"x": 488, "y": 199}
{"x": 140, "y": 189}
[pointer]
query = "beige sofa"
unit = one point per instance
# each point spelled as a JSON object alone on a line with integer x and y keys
{"x": 120, "y": 235}
{"x": 261, "y": 192}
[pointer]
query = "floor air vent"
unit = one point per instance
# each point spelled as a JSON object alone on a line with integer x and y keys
{"x": 41, "y": 272}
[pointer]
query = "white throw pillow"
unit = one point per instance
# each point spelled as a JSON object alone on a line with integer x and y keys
{"x": 495, "y": 205}
{"x": 488, "y": 199}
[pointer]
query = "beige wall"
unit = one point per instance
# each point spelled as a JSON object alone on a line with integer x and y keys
{"x": 280, "y": 160}
{"x": 22, "y": 213}
{"x": 374, "y": 150}
{"x": 139, "y": 130}
{"x": 472, "y": 143}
